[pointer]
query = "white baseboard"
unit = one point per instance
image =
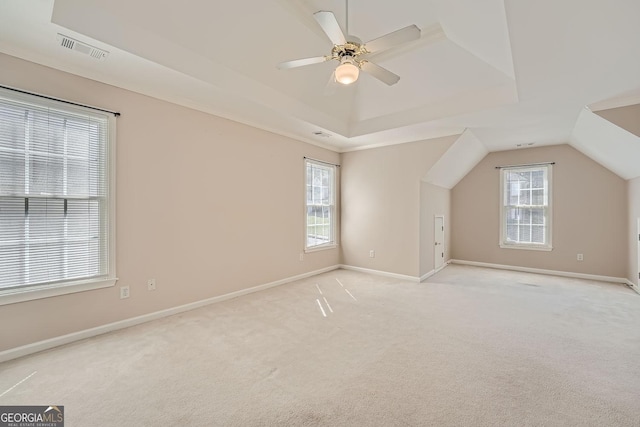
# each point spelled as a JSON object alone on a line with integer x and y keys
{"x": 25, "y": 350}
{"x": 381, "y": 273}
{"x": 633, "y": 286}
{"x": 395, "y": 275}
{"x": 429, "y": 274}
{"x": 542, "y": 271}
{"x": 432, "y": 272}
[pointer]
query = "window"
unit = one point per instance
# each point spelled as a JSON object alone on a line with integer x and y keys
{"x": 320, "y": 218}
{"x": 525, "y": 215}
{"x": 55, "y": 230}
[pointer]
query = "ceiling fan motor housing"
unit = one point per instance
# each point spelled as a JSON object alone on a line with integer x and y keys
{"x": 352, "y": 48}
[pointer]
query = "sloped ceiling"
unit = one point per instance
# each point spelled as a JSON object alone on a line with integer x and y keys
{"x": 510, "y": 72}
{"x": 628, "y": 118}
{"x": 610, "y": 145}
{"x": 459, "y": 159}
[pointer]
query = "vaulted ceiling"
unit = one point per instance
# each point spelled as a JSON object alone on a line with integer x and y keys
{"x": 502, "y": 73}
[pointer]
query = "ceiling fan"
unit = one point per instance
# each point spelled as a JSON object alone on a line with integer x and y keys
{"x": 352, "y": 54}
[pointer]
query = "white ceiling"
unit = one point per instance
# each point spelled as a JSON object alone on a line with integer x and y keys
{"x": 508, "y": 71}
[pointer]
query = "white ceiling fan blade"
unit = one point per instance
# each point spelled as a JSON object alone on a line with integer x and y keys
{"x": 329, "y": 24}
{"x": 302, "y": 62}
{"x": 390, "y": 40}
{"x": 380, "y": 73}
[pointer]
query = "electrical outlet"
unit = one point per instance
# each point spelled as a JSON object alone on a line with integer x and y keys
{"x": 580, "y": 257}
{"x": 151, "y": 284}
{"x": 372, "y": 253}
{"x": 301, "y": 256}
{"x": 124, "y": 292}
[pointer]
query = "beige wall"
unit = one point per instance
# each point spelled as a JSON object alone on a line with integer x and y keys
{"x": 633, "y": 192}
{"x": 589, "y": 214}
{"x": 434, "y": 200}
{"x": 206, "y": 206}
{"x": 381, "y": 204}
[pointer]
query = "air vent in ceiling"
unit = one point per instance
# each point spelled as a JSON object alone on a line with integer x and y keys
{"x": 78, "y": 46}
{"x": 321, "y": 134}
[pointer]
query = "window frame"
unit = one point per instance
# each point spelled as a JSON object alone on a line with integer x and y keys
{"x": 332, "y": 243}
{"x": 63, "y": 287}
{"x": 548, "y": 209}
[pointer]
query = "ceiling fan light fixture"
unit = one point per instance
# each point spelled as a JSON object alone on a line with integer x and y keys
{"x": 347, "y": 72}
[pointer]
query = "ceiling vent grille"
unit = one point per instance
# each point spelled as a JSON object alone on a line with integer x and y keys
{"x": 321, "y": 134}
{"x": 78, "y": 46}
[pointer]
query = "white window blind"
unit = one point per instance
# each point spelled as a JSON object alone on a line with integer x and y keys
{"x": 526, "y": 207}
{"x": 54, "y": 193}
{"x": 320, "y": 210}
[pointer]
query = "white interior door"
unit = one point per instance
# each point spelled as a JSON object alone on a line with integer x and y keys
{"x": 439, "y": 241}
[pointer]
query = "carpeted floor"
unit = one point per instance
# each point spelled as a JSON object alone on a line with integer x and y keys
{"x": 468, "y": 347}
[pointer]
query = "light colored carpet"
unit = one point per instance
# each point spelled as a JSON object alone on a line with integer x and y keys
{"x": 469, "y": 347}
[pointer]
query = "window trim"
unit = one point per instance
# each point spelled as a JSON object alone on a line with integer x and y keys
{"x": 548, "y": 246}
{"x": 333, "y": 243}
{"x": 47, "y": 290}
{"x": 35, "y": 292}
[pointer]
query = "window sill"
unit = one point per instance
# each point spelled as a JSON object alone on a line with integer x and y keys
{"x": 320, "y": 248}
{"x": 12, "y": 296}
{"x": 527, "y": 247}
